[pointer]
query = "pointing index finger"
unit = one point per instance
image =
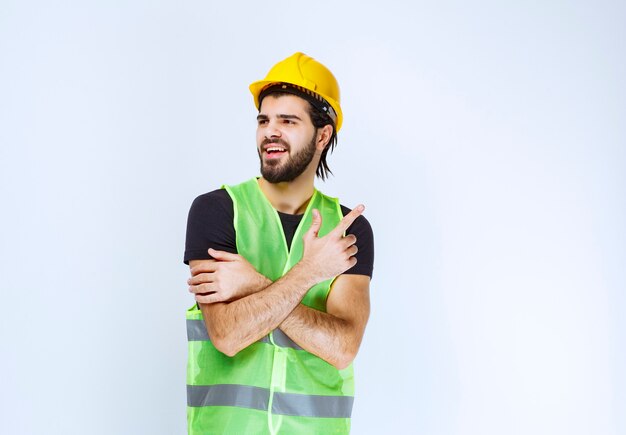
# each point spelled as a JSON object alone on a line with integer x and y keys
{"x": 349, "y": 219}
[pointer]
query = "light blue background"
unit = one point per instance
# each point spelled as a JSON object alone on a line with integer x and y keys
{"x": 487, "y": 140}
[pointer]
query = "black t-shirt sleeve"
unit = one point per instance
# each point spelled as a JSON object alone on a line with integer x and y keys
{"x": 210, "y": 225}
{"x": 362, "y": 229}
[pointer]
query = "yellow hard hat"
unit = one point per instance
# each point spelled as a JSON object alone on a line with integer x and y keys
{"x": 308, "y": 76}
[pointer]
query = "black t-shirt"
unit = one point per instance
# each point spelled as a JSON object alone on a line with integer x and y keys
{"x": 210, "y": 225}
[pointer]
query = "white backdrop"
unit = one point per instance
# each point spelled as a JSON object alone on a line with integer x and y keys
{"x": 487, "y": 140}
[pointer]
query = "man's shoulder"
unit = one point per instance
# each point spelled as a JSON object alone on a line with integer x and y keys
{"x": 214, "y": 206}
{"x": 215, "y": 195}
{"x": 215, "y": 198}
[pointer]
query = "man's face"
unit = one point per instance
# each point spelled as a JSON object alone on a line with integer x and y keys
{"x": 285, "y": 138}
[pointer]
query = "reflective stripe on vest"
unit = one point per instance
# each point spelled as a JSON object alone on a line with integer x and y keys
{"x": 273, "y": 385}
{"x": 245, "y": 396}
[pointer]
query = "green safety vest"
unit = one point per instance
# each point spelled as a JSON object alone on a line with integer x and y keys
{"x": 272, "y": 386}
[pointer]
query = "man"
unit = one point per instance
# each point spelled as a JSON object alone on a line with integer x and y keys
{"x": 280, "y": 273}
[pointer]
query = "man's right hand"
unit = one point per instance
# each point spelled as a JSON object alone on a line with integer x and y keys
{"x": 331, "y": 255}
{"x": 226, "y": 278}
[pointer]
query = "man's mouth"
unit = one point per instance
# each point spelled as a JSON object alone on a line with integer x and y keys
{"x": 274, "y": 151}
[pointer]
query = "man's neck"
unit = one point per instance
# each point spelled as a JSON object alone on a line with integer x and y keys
{"x": 289, "y": 197}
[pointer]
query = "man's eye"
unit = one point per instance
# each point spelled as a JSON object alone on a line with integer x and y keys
{"x": 262, "y": 121}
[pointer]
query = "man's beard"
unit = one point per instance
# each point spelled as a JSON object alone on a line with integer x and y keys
{"x": 275, "y": 171}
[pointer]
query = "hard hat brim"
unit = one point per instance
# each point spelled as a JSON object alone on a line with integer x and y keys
{"x": 257, "y": 87}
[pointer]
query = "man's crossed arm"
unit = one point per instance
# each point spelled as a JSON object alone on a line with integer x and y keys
{"x": 240, "y": 306}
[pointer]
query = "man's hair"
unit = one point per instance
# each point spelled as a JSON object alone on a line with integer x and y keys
{"x": 319, "y": 120}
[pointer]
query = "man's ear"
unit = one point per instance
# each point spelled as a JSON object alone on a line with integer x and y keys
{"x": 323, "y": 137}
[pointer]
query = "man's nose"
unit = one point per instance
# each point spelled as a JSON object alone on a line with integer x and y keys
{"x": 272, "y": 130}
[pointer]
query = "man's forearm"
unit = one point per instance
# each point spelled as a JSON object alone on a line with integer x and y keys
{"x": 235, "y": 325}
{"x": 334, "y": 335}
{"x": 331, "y": 338}
{"x": 322, "y": 334}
